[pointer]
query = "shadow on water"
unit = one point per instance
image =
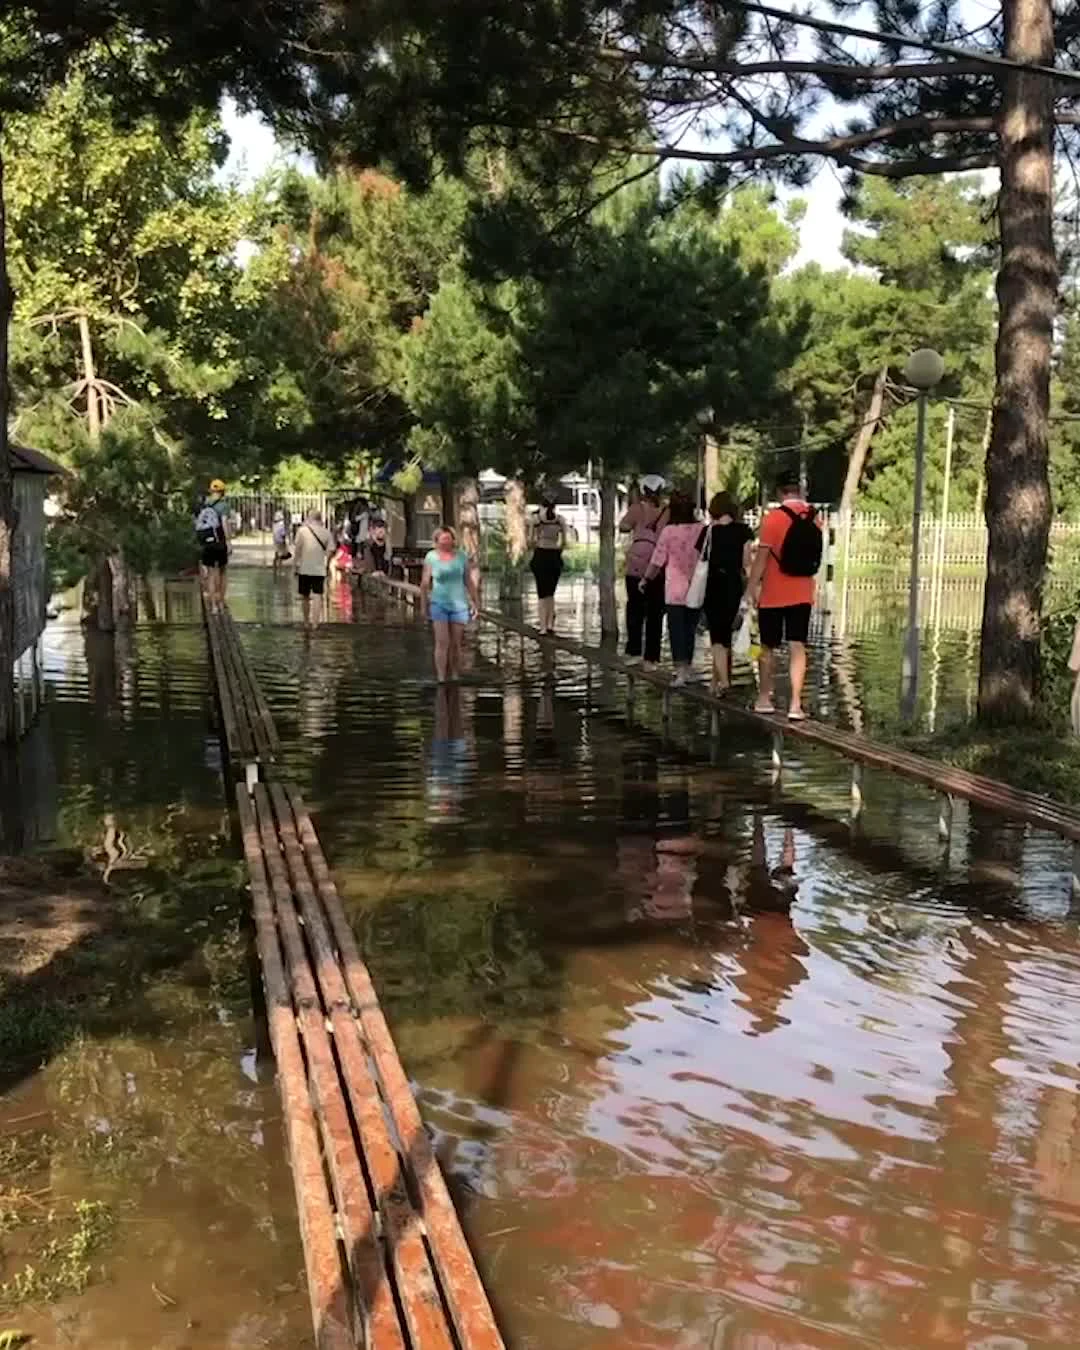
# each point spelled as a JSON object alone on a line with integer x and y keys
{"x": 705, "y": 1066}
{"x": 145, "y": 1195}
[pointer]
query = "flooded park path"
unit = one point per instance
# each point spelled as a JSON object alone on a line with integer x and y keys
{"x": 705, "y": 1067}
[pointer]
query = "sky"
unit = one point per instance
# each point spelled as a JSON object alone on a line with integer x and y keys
{"x": 254, "y": 150}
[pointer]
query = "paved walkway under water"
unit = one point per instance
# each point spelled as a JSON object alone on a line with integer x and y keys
{"x": 705, "y": 1068}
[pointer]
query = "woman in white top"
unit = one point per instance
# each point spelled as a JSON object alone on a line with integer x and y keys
{"x": 547, "y": 534}
{"x": 312, "y": 548}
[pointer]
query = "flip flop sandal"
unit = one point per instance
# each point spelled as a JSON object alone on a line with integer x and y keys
{"x": 796, "y": 717}
{"x": 766, "y": 711}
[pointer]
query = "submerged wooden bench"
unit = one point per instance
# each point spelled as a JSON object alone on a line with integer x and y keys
{"x": 950, "y": 782}
{"x": 388, "y": 1266}
{"x": 402, "y": 1275}
{"x": 251, "y": 739}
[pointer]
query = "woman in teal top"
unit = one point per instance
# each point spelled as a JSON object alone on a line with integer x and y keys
{"x": 448, "y": 586}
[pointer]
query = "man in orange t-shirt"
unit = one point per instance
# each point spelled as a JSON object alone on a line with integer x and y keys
{"x": 783, "y": 601}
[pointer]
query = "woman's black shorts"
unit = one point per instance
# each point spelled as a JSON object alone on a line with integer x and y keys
{"x": 311, "y": 585}
{"x": 215, "y": 555}
{"x": 546, "y": 567}
{"x": 721, "y": 608}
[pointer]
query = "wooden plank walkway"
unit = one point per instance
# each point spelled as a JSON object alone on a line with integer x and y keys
{"x": 388, "y": 1266}
{"x": 1030, "y": 808}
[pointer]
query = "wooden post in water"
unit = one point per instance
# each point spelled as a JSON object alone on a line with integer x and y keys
{"x": 777, "y": 755}
{"x": 856, "y": 791}
{"x": 665, "y": 716}
{"x": 630, "y": 688}
{"x": 945, "y": 819}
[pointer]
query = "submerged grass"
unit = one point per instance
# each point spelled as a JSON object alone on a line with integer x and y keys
{"x": 47, "y": 1245}
{"x": 1042, "y": 755}
{"x": 168, "y": 945}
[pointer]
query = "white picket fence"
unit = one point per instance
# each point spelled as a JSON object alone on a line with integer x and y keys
{"x": 871, "y": 540}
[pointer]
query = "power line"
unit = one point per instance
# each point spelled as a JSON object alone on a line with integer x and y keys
{"x": 888, "y": 38}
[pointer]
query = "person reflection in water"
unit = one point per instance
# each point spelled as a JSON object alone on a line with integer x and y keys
{"x": 656, "y": 851}
{"x": 448, "y": 765}
{"x": 773, "y": 961}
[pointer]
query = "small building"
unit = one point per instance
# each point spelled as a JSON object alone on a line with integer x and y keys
{"x": 31, "y": 472}
{"x": 411, "y": 519}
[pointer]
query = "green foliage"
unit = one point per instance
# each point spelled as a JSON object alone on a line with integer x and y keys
{"x": 122, "y": 226}
{"x": 366, "y": 257}
{"x": 608, "y": 346}
{"x": 294, "y": 473}
{"x": 131, "y": 493}
{"x": 924, "y": 280}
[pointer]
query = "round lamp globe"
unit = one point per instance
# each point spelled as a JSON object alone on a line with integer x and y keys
{"x": 924, "y": 368}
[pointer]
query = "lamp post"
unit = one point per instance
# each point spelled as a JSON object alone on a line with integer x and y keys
{"x": 924, "y": 370}
{"x": 704, "y": 420}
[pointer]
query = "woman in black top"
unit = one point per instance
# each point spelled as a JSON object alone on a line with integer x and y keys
{"x": 729, "y": 559}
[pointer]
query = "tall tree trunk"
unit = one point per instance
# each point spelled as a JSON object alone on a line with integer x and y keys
{"x": 609, "y": 622}
{"x": 93, "y": 406}
{"x": 1017, "y": 480}
{"x": 146, "y": 595}
{"x": 123, "y": 593}
{"x": 516, "y": 532}
{"x": 467, "y": 515}
{"x": 712, "y": 467}
{"x": 861, "y": 446}
{"x": 7, "y": 503}
{"x": 104, "y": 612}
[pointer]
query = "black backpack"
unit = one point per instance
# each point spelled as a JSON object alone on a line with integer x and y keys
{"x": 800, "y": 553}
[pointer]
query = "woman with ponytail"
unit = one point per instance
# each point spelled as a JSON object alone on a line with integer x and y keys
{"x": 547, "y": 534}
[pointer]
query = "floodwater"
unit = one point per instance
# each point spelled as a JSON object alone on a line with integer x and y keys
{"x": 129, "y": 1076}
{"x": 707, "y": 1066}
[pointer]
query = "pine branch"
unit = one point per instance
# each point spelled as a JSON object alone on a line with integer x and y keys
{"x": 904, "y": 70}
{"x": 837, "y": 148}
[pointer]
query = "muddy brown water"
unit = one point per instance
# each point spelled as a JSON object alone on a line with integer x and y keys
{"x": 145, "y": 1093}
{"x": 706, "y": 1067}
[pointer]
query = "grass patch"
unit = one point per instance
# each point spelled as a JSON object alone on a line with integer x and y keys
{"x": 1039, "y": 758}
{"x": 47, "y": 1245}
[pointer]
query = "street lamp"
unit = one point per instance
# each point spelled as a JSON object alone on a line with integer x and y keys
{"x": 924, "y": 370}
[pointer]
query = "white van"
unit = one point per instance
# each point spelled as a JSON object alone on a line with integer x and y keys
{"x": 578, "y": 502}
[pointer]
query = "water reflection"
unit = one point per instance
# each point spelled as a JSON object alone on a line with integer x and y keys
{"x": 706, "y": 1069}
{"x": 127, "y": 1064}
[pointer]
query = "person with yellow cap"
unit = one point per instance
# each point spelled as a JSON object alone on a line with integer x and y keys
{"x": 213, "y": 537}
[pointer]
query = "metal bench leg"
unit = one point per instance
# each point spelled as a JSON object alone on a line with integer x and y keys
{"x": 856, "y": 791}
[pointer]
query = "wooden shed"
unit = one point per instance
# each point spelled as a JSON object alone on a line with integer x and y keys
{"x": 31, "y": 471}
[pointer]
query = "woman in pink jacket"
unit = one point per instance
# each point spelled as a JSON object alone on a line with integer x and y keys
{"x": 677, "y": 553}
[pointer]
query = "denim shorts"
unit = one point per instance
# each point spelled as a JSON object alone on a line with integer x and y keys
{"x": 441, "y": 614}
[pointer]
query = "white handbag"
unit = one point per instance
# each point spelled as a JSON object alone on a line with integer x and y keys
{"x": 699, "y": 582}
